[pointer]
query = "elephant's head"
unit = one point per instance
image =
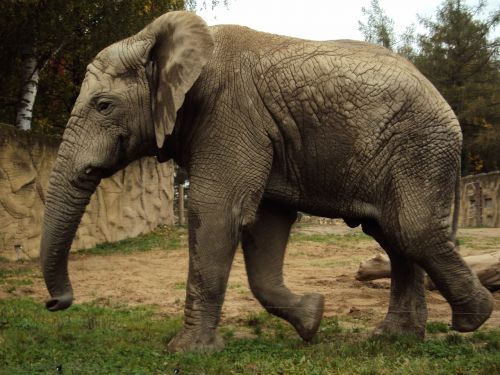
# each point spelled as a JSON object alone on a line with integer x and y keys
{"x": 126, "y": 107}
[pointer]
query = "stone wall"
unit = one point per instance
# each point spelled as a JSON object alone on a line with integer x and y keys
{"x": 480, "y": 200}
{"x": 131, "y": 202}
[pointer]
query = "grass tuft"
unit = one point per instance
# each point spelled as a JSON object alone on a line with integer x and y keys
{"x": 89, "y": 338}
{"x": 354, "y": 237}
{"x": 163, "y": 238}
{"x": 437, "y": 327}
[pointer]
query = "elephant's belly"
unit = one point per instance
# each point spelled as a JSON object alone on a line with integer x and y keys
{"x": 324, "y": 197}
{"x": 312, "y": 202}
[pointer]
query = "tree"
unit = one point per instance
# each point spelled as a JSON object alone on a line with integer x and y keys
{"x": 49, "y": 42}
{"x": 463, "y": 64}
{"x": 193, "y": 4}
{"x": 379, "y": 29}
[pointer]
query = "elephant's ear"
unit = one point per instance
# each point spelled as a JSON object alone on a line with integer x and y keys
{"x": 181, "y": 45}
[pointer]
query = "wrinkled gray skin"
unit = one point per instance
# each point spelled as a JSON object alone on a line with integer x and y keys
{"x": 268, "y": 125}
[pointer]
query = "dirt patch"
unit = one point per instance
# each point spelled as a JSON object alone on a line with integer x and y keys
{"x": 159, "y": 278}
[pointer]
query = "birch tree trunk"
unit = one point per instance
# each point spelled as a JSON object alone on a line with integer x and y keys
{"x": 30, "y": 76}
{"x": 181, "y": 204}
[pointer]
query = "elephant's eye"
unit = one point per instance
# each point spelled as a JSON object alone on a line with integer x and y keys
{"x": 103, "y": 106}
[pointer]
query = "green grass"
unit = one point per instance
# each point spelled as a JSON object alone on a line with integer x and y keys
{"x": 437, "y": 327}
{"x": 181, "y": 285}
{"x": 14, "y": 272}
{"x": 88, "y": 339}
{"x": 354, "y": 237}
{"x": 12, "y": 278}
{"x": 478, "y": 243}
{"x": 85, "y": 339}
{"x": 164, "y": 238}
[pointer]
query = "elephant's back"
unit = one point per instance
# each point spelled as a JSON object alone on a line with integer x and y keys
{"x": 244, "y": 39}
{"x": 355, "y": 62}
{"x": 354, "y": 83}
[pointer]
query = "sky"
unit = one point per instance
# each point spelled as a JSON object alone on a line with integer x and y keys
{"x": 321, "y": 19}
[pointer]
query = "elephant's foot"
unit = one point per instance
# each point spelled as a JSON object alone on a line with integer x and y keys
{"x": 469, "y": 315}
{"x": 402, "y": 324}
{"x": 309, "y": 315}
{"x": 195, "y": 341}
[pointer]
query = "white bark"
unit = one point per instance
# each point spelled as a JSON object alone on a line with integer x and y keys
{"x": 181, "y": 204}
{"x": 30, "y": 76}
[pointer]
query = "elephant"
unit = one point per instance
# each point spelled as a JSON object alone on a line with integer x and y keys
{"x": 267, "y": 126}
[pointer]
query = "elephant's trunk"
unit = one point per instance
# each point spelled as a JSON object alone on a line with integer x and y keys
{"x": 65, "y": 204}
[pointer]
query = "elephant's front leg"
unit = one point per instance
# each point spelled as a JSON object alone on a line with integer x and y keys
{"x": 213, "y": 237}
{"x": 264, "y": 246}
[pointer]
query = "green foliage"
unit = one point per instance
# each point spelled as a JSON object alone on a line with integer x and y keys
{"x": 463, "y": 64}
{"x": 379, "y": 28}
{"x": 102, "y": 340}
{"x": 458, "y": 58}
{"x": 64, "y": 36}
{"x": 194, "y": 4}
{"x": 163, "y": 237}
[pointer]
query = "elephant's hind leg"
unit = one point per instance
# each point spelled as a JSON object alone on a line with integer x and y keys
{"x": 470, "y": 301}
{"x": 264, "y": 248}
{"x": 424, "y": 235}
{"x": 407, "y": 307}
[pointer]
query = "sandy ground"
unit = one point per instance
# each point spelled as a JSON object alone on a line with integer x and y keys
{"x": 159, "y": 277}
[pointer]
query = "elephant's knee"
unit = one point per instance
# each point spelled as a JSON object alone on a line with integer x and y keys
{"x": 267, "y": 290}
{"x": 259, "y": 290}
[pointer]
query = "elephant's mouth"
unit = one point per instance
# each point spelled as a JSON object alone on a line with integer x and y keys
{"x": 98, "y": 173}
{"x": 91, "y": 177}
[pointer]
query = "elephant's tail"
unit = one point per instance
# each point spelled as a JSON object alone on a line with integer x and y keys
{"x": 456, "y": 208}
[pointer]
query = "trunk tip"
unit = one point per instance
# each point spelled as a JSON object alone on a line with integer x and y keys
{"x": 59, "y": 303}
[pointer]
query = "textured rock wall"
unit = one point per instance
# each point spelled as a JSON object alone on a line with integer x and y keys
{"x": 131, "y": 202}
{"x": 480, "y": 200}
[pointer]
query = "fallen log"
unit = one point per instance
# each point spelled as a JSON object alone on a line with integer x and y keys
{"x": 486, "y": 266}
